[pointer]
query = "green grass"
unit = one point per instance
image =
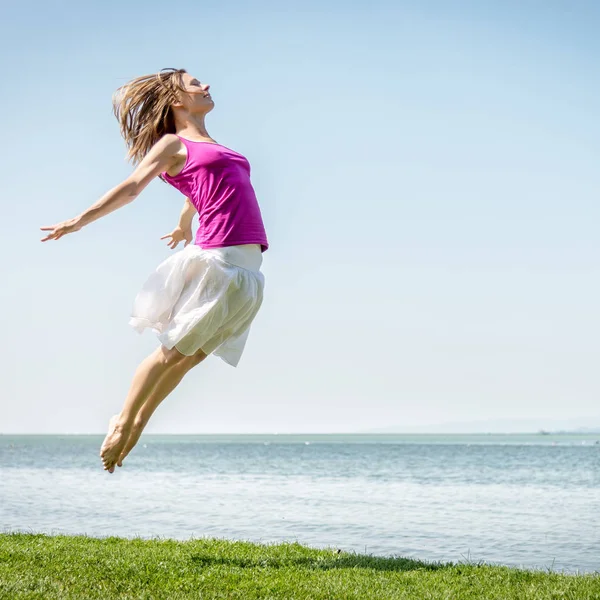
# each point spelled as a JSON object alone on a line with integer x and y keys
{"x": 49, "y": 567}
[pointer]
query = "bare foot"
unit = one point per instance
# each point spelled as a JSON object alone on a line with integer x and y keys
{"x": 113, "y": 444}
{"x": 132, "y": 440}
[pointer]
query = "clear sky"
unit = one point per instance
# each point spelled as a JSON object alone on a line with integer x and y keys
{"x": 428, "y": 176}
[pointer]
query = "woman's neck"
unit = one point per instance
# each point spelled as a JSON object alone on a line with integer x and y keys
{"x": 192, "y": 128}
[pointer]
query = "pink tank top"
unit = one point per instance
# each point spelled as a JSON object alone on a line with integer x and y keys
{"x": 217, "y": 181}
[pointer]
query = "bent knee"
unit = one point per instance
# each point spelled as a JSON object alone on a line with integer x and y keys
{"x": 170, "y": 357}
{"x": 175, "y": 357}
{"x": 195, "y": 359}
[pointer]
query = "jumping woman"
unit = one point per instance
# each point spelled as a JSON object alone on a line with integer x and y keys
{"x": 202, "y": 299}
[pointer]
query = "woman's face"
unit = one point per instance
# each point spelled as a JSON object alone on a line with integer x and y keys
{"x": 197, "y": 99}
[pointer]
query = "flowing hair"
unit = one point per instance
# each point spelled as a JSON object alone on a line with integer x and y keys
{"x": 143, "y": 109}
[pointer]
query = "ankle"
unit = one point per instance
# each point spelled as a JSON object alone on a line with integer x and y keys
{"x": 123, "y": 425}
{"x": 138, "y": 425}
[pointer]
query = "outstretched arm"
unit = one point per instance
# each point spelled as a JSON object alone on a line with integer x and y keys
{"x": 161, "y": 157}
{"x": 183, "y": 231}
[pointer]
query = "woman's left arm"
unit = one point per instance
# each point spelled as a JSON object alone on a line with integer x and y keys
{"x": 160, "y": 158}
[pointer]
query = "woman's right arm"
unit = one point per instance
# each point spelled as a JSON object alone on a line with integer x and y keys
{"x": 161, "y": 157}
{"x": 187, "y": 214}
{"x": 183, "y": 231}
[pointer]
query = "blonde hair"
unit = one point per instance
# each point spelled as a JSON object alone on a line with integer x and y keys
{"x": 143, "y": 109}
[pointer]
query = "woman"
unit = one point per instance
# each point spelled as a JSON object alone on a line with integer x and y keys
{"x": 201, "y": 300}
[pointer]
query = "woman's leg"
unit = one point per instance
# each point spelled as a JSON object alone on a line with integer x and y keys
{"x": 161, "y": 363}
{"x": 167, "y": 383}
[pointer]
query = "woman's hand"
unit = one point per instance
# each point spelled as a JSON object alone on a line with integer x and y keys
{"x": 60, "y": 229}
{"x": 178, "y": 235}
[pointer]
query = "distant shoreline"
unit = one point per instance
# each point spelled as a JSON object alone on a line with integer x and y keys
{"x": 542, "y": 434}
{"x": 349, "y": 433}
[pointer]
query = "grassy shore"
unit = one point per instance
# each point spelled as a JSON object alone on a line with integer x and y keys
{"x": 64, "y": 567}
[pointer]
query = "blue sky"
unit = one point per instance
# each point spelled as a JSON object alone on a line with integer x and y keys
{"x": 428, "y": 176}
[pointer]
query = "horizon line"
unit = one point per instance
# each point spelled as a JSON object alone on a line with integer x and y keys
{"x": 538, "y": 432}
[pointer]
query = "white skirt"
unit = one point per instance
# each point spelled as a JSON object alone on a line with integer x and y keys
{"x": 203, "y": 299}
